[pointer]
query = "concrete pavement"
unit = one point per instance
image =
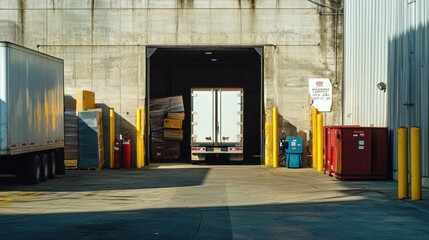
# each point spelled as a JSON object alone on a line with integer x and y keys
{"x": 208, "y": 202}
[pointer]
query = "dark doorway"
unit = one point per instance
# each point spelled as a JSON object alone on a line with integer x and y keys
{"x": 174, "y": 71}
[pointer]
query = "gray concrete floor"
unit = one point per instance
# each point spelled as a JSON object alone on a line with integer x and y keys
{"x": 208, "y": 202}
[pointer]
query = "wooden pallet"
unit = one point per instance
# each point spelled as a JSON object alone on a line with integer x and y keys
{"x": 71, "y": 164}
{"x": 89, "y": 168}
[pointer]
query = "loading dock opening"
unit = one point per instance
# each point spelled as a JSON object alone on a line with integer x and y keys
{"x": 174, "y": 71}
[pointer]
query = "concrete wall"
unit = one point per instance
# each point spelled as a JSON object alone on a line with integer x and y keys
{"x": 103, "y": 45}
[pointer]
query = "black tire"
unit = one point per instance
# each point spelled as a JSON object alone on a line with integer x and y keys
{"x": 33, "y": 169}
{"x": 44, "y": 167}
{"x": 61, "y": 168}
{"x": 52, "y": 172}
{"x": 21, "y": 169}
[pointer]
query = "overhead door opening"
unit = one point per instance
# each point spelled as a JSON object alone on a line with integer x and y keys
{"x": 174, "y": 72}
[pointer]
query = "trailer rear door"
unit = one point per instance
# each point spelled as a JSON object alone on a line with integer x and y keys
{"x": 203, "y": 117}
{"x": 230, "y": 119}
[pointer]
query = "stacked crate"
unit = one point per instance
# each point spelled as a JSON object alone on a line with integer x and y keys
{"x": 167, "y": 115}
{"x": 83, "y": 131}
{"x": 173, "y": 125}
{"x": 91, "y": 148}
{"x": 71, "y": 133}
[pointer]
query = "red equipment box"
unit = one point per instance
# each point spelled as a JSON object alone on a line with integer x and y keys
{"x": 353, "y": 152}
{"x": 331, "y": 147}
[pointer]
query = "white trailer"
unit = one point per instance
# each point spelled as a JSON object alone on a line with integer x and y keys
{"x": 31, "y": 113}
{"x": 216, "y": 123}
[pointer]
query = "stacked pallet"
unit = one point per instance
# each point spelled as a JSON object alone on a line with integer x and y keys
{"x": 167, "y": 150}
{"x": 83, "y": 131}
{"x": 71, "y": 132}
{"x": 167, "y": 115}
{"x": 91, "y": 148}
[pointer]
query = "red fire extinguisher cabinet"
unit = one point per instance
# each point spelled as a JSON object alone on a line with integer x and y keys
{"x": 356, "y": 152}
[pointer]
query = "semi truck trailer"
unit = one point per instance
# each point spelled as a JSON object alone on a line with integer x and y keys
{"x": 216, "y": 123}
{"x": 31, "y": 114}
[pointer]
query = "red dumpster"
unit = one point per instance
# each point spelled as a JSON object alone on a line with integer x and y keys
{"x": 353, "y": 152}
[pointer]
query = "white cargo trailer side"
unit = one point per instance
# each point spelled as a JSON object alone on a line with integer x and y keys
{"x": 31, "y": 113}
{"x": 216, "y": 122}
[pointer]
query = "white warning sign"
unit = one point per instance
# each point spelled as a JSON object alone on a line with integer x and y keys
{"x": 320, "y": 90}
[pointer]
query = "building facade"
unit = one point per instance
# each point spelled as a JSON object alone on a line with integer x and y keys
{"x": 104, "y": 44}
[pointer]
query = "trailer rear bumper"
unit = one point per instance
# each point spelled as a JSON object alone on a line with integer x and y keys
{"x": 200, "y": 153}
{"x": 216, "y": 150}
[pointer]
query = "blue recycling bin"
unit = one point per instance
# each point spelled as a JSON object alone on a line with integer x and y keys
{"x": 293, "y": 152}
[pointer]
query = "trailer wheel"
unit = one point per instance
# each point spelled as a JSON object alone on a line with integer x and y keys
{"x": 60, "y": 167}
{"x": 33, "y": 172}
{"x": 52, "y": 165}
{"x": 44, "y": 167}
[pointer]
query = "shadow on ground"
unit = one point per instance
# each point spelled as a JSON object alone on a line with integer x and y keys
{"x": 113, "y": 179}
{"x": 363, "y": 219}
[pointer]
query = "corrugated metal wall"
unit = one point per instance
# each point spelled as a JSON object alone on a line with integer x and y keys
{"x": 387, "y": 41}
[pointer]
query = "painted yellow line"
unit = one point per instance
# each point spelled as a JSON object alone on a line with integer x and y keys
{"x": 6, "y": 201}
{"x": 30, "y": 196}
{"x": 22, "y": 196}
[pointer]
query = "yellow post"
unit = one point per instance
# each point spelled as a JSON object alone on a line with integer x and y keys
{"x": 314, "y": 137}
{"x": 416, "y": 171}
{"x": 143, "y": 129}
{"x": 275, "y": 138}
{"x": 138, "y": 138}
{"x": 319, "y": 142}
{"x": 112, "y": 137}
{"x": 402, "y": 162}
{"x": 268, "y": 144}
{"x": 268, "y": 154}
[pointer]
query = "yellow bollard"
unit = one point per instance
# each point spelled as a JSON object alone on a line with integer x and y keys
{"x": 416, "y": 171}
{"x": 275, "y": 138}
{"x": 268, "y": 153}
{"x": 402, "y": 162}
{"x": 112, "y": 137}
{"x": 143, "y": 129}
{"x": 269, "y": 144}
{"x": 314, "y": 137}
{"x": 138, "y": 138}
{"x": 319, "y": 142}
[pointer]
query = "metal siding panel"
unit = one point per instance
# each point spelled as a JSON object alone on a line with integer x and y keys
{"x": 3, "y": 98}
{"x": 398, "y": 54}
{"x": 422, "y": 22}
{"x": 365, "y": 63}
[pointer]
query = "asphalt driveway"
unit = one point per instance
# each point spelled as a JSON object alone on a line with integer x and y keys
{"x": 184, "y": 201}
